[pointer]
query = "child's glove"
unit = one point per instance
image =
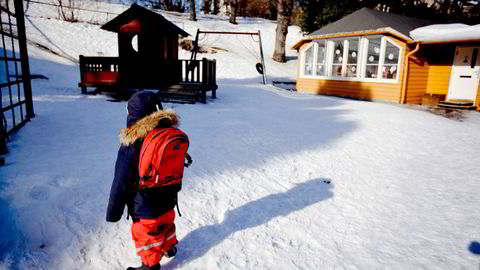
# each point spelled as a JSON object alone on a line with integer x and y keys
{"x": 189, "y": 160}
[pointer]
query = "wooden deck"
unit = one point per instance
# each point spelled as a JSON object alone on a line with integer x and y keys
{"x": 186, "y": 81}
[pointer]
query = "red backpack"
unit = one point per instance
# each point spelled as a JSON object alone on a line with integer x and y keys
{"x": 162, "y": 158}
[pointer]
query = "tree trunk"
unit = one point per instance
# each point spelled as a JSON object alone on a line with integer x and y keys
{"x": 233, "y": 11}
{"x": 284, "y": 15}
{"x": 206, "y": 6}
{"x": 167, "y": 5}
{"x": 216, "y": 7}
{"x": 193, "y": 14}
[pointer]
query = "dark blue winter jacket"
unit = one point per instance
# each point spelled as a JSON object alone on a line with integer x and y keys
{"x": 145, "y": 203}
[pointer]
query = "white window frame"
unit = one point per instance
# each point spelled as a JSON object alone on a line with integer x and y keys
{"x": 384, "y": 41}
{"x": 315, "y": 54}
{"x": 365, "y": 59}
{"x": 345, "y": 56}
{"x": 303, "y": 58}
{"x": 332, "y": 56}
{"x": 361, "y": 62}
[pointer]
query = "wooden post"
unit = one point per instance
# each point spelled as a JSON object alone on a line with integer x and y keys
{"x": 211, "y": 80}
{"x": 187, "y": 67}
{"x": 204, "y": 72}
{"x": 195, "y": 46}
{"x": 22, "y": 42}
{"x": 203, "y": 96}
{"x": 204, "y": 80}
{"x": 263, "y": 61}
{"x": 82, "y": 75}
{"x": 198, "y": 72}
{"x": 3, "y": 134}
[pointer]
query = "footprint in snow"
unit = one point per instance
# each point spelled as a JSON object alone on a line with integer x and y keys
{"x": 39, "y": 193}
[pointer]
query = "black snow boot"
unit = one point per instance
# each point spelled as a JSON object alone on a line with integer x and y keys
{"x": 145, "y": 267}
{"x": 171, "y": 252}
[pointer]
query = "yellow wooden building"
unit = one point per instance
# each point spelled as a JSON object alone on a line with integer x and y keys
{"x": 370, "y": 55}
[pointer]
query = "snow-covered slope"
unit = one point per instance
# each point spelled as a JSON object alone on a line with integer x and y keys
{"x": 70, "y": 40}
{"x": 280, "y": 180}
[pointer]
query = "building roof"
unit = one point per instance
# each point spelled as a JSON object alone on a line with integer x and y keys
{"x": 148, "y": 19}
{"x": 367, "y": 21}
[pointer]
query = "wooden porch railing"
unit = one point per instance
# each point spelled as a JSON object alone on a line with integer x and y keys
{"x": 196, "y": 76}
{"x": 198, "y": 71}
{"x": 98, "y": 71}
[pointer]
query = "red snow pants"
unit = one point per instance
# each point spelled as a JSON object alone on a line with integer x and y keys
{"x": 153, "y": 237}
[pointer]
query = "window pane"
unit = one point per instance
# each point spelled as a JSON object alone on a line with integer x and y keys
{"x": 391, "y": 54}
{"x": 351, "y": 70}
{"x": 373, "y": 54}
{"x": 371, "y": 71}
{"x": 389, "y": 71}
{"x": 308, "y": 69}
{"x": 321, "y": 59}
{"x": 309, "y": 61}
{"x": 338, "y": 52}
{"x": 352, "y": 51}
{"x": 320, "y": 70}
{"x": 337, "y": 70}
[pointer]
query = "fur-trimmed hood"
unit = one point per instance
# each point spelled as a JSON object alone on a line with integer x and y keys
{"x": 143, "y": 126}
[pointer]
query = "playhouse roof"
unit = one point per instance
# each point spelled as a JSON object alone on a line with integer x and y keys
{"x": 137, "y": 14}
{"x": 367, "y": 21}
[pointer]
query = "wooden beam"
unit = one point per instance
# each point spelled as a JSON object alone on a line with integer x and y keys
{"x": 228, "y": 33}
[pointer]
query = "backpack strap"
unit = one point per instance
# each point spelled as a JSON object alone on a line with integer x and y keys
{"x": 176, "y": 203}
{"x": 189, "y": 160}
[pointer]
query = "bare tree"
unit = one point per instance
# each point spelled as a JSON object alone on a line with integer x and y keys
{"x": 206, "y": 6}
{"x": 67, "y": 10}
{"x": 193, "y": 14}
{"x": 167, "y": 5}
{"x": 233, "y": 11}
{"x": 284, "y": 15}
{"x": 216, "y": 7}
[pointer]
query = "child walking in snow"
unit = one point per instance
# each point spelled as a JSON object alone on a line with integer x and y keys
{"x": 152, "y": 210}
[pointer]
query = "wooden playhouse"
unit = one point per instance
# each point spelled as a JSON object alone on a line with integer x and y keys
{"x": 148, "y": 59}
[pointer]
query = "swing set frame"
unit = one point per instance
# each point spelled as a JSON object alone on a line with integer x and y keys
{"x": 196, "y": 47}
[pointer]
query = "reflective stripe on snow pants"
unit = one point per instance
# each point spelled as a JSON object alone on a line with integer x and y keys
{"x": 153, "y": 237}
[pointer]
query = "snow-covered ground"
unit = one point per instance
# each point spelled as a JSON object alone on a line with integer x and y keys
{"x": 280, "y": 180}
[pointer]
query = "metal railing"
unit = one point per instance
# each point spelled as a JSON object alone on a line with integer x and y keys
{"x": 16, "y": 106}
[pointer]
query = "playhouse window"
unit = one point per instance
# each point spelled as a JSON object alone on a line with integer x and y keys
{"x": 134, "y": 43}
{"x": 308, "y": 65}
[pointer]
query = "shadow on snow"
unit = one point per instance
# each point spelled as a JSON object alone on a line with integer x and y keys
{"x": 245, "y": 127}
{"x": 255, "y": 213}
